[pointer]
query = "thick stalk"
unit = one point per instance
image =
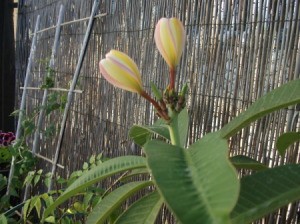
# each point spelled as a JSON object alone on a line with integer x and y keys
{"x": 174, "y": 130}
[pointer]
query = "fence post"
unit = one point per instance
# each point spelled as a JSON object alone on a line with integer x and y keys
{"x": 72, "y": 87}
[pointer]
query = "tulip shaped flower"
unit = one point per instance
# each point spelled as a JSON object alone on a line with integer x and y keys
{"x": 169, "y": 37}
{"x": 121, "y": 71}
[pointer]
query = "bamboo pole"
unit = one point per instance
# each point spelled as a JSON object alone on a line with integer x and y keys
{"x": 48, "y": 160}
{"x": 23, "y": 101}
{"x": 71, "y": 22}
{"x": 53, "y": 89}
{"x": 72, "y": 87}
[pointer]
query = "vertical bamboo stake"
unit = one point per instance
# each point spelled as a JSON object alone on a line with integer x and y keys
{"x": 22, "y": 106}
{"x": 36, "y": 140}
{"x": 72, "y": 87}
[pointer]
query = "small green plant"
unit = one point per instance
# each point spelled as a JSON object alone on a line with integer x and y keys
{"x": 25, "y": 160}
{"x": 9, "y": 147}
{"x": 76, "y": 211}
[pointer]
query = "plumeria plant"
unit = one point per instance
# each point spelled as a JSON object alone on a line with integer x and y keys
{"x": 198, "y": 182}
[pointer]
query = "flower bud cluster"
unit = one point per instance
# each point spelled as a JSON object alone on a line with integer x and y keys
{"x": 121, "y": 71}
{"x": 175, "y": 101}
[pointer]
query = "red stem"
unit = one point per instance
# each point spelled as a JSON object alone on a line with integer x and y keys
{"x": 156, "y": 105}
{"x": 172, "y": 78}
{"x": 149, "y": 98}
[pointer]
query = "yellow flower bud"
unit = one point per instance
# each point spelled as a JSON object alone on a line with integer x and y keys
{"x": 170, "y": 37}
{"x": 121, "y": 71}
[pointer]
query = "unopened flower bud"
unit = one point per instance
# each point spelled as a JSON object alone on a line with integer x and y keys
{"x": 121, "y": 71}
{"x": 170, "y": 37}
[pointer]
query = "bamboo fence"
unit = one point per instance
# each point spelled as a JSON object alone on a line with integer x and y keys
{"x": 236, "y": 51}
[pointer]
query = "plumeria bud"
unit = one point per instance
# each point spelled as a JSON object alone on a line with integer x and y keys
{"x": 169, "y": 37}
{"x": 121, "y": 71}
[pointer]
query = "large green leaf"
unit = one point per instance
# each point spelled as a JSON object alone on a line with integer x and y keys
{"x": 96, "y": 174}
{"x": 285, "y": 140}
{"x": 199, "y": 185}
{"x": 283, "y": 96}
{"x": 141, "y": 134}
{"x": 266, "y": 191}
{"x": 244, "y": 162}
{"x": 144, "y": 211}
{"x": 112, "y": 201}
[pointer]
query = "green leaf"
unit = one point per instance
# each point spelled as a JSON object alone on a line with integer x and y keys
{"x": 47, "y": 179}
{"x": 48, "y": 200}
{"x": 92, "y": 159}
{"x": 4, "y": 202}
{"x": 16, "y": 113}
{"x": 284, "y": 96}
{"x": 266, "y": 191}
{"x": 3, "y": 182}
{"x": 29, "y": 178}
{"x": 180, "y": 123}
{"x": 99, "y": 157}
{"x": 25, "y": 208}
{"x": 96, "y": 174}
{"x": 285, "y": 140}
{"x": 85, "y": 166}
{"x": 5, "y": 155}
{"x": 33, "y": 203}
{"x": 244, "y": 162}
{"x": 112, "y": 201}
{"x": 141, "y": 134}
{"x": 3, "y": 219}
{"x": 50, "y": 130}
{"x": 50, "y": 219}
{"x": 36, "y": 179}
{"x": 202, "y": 179}
{"x": 38, "y": 206}
{"x": 156, "y": 91}
{"x": 28, "y": 126}
{"x": 87, "y": 198}
{"x": 79, "y": 207}
{"x": 96, "y": 200}
{"x": 143, "y": 211}
{"x": 48, "y": 82}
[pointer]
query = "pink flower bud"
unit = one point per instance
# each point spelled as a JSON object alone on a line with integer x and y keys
{"x": 121, "y": 71}
{"x": 170, "y": 37}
